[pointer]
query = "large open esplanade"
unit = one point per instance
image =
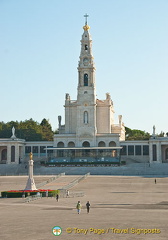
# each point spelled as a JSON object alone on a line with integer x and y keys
{"x": 122, "y": 208}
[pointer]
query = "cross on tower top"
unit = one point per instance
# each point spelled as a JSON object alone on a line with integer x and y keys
{"x": 86, "y": 16}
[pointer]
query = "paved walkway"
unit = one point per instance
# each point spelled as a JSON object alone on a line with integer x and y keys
{"x": 19, "y": 182}
{"x": 120, "y": 206}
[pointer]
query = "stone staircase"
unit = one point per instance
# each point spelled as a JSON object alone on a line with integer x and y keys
{"x": 132, "y": 169}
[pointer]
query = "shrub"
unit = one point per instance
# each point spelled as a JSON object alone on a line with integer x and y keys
{"x": 19, "y": 193}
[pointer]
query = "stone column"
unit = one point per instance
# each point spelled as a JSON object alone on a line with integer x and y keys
{"x": 17, "y": 153}
{"x": 150, "y": 152}
{"x": 159, "y": 153}
{"x": 22, "y": 152}
{"x": 8, "y": 154}
{"x": 46, "y": 151}
{"x": 38, "y": 151}
{"x": 30, "y": 182}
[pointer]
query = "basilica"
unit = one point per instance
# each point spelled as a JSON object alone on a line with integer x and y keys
{"x": 89, "y": 131}
{"x": 89, "y": 122}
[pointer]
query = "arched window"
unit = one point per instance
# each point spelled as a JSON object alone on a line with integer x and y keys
{"x": 60, "y": 144}
{"x": 85, "y": 79}
{"x": 85, "y": 144}
{"x": 71, "y": 144}
{"x": 85, "y": 117}
{"x": 86, "y": 47}
{"x": 101, "y": 144}
{"x": 60, "y": 153}
{"x": 112, "y": 144}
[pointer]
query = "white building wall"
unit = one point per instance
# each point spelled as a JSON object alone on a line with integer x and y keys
{"x": 134, "y": 157}
{"x": 103, "y": 121}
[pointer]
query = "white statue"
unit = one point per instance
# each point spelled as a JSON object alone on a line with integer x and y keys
{"x": 13, "y": 133}
{"x": 154, "y": 129}
{"x": 120, "y": 119}
{"x": 85, "y": 117}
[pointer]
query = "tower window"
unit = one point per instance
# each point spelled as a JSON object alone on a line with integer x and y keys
{"x": 86, "y": 47}
{"x": 85, "y": 117}
{"x": 85, "y": 79}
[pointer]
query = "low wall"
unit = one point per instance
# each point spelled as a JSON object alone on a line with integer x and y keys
{"x": 135, "y": 159}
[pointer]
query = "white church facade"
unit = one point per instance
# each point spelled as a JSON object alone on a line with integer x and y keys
{"x": 89, "y": 130}
{"x": 89, "y": 122}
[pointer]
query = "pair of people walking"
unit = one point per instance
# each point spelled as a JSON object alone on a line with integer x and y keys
{"x": 79, "y": 207}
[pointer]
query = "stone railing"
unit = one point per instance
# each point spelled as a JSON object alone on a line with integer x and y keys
{"x": 32, "y": 198}
{"x": 75, "y": 194}
{"x": 63, "y": 191}
{"x": 76, "y": 181}
{"x": 49, "y": 180}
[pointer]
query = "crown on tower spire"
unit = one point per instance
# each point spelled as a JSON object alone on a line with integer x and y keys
{"x": 86, "y": 27}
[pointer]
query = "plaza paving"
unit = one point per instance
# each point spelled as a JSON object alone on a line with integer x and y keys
{"x": 117, "y": 202}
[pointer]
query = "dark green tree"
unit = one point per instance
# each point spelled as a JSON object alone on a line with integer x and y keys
{"x": 161, "y": 134}
{"x": 47, "y": 133}
{"x": 29, "y": 130}
{"x": 134, "y": 134}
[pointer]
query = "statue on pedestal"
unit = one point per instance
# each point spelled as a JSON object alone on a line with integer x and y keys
{"x": 154, "y": 130}
{"x": 13, "y": 133}
{"x": 30, "y": 182}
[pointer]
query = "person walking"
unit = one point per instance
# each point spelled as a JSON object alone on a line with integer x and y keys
{"x": 67, "y": 193}
{"x": 155, "y": 180}
{"x": 57, "y": 197}
{"x": 78, "y": 207}
{"x": 88, "y": 206}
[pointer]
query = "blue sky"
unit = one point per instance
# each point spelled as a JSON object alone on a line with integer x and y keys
{"x": 39, "y": 53}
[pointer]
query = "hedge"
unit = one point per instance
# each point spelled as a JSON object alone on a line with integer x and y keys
{"x": 20, "y": 193}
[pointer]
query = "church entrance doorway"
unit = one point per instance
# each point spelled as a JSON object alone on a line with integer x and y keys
{"x": 86, "y": 152}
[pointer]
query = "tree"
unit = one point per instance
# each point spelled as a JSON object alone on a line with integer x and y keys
{"x": 134, "y": 134}
{"x": 161, "y": 134}
{"x": 47, "y": 133}
{"x": 29, "y": 130}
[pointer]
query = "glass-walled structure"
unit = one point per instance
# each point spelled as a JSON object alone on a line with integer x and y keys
{"x": 90, "y": 154}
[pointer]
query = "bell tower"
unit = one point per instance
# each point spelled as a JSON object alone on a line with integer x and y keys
{"x": 86, "y": 67}
{"x": 86, "y": 97}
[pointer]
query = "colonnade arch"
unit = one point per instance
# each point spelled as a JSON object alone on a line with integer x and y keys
{"x": 60, "y": 144}
{"x": 101, "y": 144}
{"x": 112, "y": 144}
{"x": 86, "y": 144}
{"x": 71, "y": 144}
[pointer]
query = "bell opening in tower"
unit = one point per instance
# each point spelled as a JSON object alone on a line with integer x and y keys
{"x": 85, "y": 79}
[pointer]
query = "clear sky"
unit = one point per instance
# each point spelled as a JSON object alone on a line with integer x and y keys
{"x": 39, "y": 53}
